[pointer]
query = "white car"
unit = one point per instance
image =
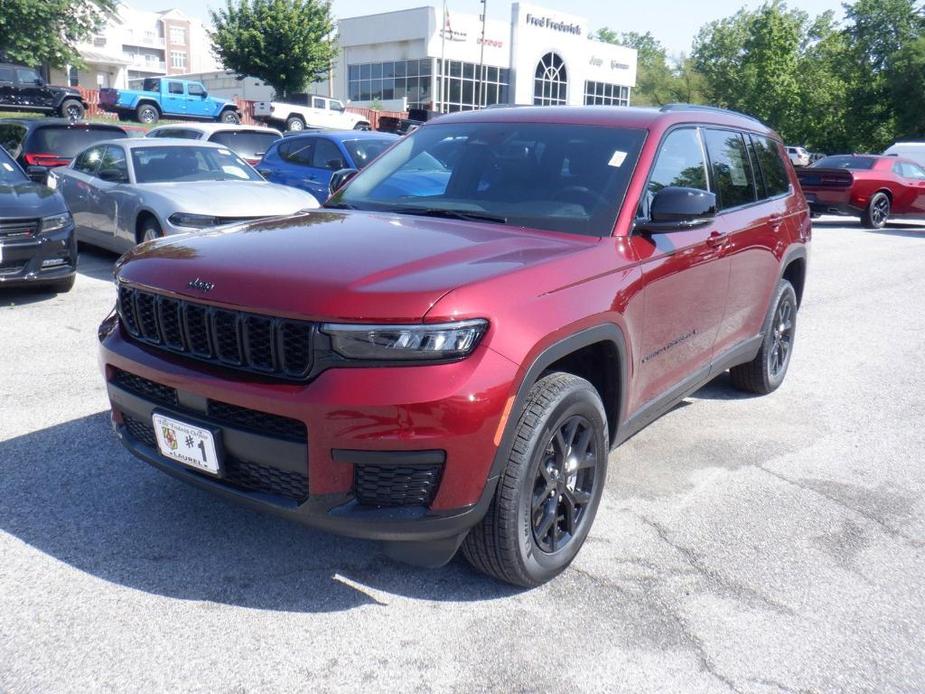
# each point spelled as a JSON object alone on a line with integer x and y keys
{"x": 317, "y": 113}
{"x": 247, "y": 141}
{"x": 798, "y": 156}
{"x": 910, "y": 150}
{"x": 123, "y": 192}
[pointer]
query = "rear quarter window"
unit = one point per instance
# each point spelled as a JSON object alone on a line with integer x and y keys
{"x": 731, "y": 169}
{"x": 773, "y": 171}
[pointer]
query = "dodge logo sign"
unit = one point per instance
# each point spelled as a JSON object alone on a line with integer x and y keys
{"x": 201, "y": 285}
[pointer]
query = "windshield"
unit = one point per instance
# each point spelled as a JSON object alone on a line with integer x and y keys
{"x": 364, "y": 151}
{"x": 189, "y": 163}
{"x": 9, "y": 171}
{"x": 554, "y": 176}
{"x": 250, "y": 144}
{"x": 66, "y": 141}
{"x": 845, "y": 161}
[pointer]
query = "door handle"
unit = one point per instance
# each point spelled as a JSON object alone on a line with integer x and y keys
{"x": 716, "y": 239}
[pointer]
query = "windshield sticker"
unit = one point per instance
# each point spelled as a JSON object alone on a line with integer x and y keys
{"x": 7, "y": 167}
{"x": 617, "y": 159}
{"x": 226, "y": 152}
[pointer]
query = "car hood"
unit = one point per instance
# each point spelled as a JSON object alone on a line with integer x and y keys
{"x": 335, "y": 265}
{"x": 29, "y": 200}
{"x": 230, "y": 198}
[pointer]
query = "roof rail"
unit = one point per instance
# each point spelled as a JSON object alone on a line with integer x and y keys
{"x": 700, "y": 107}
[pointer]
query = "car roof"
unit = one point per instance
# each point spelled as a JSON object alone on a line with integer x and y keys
{"x": 614, "y": 116}
{"x": 343, "y": 135}
{"x": 210, "y": 128}
{"x": 35, "y": 123}
{"x": 136, "y": 142}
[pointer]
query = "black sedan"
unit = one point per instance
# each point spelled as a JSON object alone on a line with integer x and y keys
{"x": 37, "y": 241}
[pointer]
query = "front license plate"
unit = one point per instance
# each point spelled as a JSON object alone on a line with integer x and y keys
{"x": 186, "y": 443}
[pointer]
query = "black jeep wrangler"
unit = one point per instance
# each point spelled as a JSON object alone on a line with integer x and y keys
{"x": 23, "y": 89}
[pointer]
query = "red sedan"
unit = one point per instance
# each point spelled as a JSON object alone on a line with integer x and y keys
{"x": 873, "y": 187}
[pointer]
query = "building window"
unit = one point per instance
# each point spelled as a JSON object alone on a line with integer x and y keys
{"x": 550, "y": 84}
{"x": 463, "y": 91}
{"x": 73, "y": 76}
{"x": 178, "y": 36}
{"x": 178, "y": 59}
{"x": 604, "y": 94}
{"x": 410, "y": 79}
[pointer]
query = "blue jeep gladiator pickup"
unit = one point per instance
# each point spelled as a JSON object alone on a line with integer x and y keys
{"x": 162, "y": 97}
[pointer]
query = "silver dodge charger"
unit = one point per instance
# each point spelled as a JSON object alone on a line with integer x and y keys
{"x": 123, "y": 192}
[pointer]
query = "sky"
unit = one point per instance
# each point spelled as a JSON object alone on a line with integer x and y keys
{"x": 673, "y": 22}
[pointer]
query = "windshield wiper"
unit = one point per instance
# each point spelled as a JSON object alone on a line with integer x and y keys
{"x": 465, "y": 215}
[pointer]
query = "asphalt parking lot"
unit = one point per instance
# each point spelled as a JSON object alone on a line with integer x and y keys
{"x": 769, "y": 544}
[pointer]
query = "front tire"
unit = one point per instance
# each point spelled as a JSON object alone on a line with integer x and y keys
{"x": 231, "y": 117}
{"x": 147, "y": 114}
{"x": 550, "y": 488}
{"x": 765, "y": 373}
{"x": 877, "y": 211}
{"x": 150, "y": 230}
{"x": 72, "y": 109}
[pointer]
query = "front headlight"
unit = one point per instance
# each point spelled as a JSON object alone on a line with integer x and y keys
{"x": 195, "y": 221}
{"x": 56, "y": 222}
{"x": 406, "y": 342}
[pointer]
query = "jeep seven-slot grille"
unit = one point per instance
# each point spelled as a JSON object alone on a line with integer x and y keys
{"x": 249, "y": 342}
{"x": 385, "y": 486}
{"x": 237, "y": 473}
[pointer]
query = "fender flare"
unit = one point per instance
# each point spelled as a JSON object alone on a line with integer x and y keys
{"x": 604, "y": 332}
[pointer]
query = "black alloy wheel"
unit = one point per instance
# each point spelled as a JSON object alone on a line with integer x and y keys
{"x": 782, "y": 337}
{"x": 877, "y": 212}
{"x": 564, "y": 484}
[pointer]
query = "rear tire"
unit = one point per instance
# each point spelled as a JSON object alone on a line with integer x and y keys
{"x": 550, "y": 488}
{"x": 295, "y": 124}
{"x": 72, "y": 109}
{"x": 231, "y": 117}
{"x": 877, "y": 213}
{"x": 765, "y": 373}
{"x": 147, "y": 114}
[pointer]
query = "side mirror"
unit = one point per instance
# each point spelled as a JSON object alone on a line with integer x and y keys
{"x": 678, "y": 209}
{"x": 37, "y": 173}
{"x": 39, "y": 82}
{"x": 339, "y": 178}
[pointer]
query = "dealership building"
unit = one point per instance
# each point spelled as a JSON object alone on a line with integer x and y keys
{"x": 419, "y": 58}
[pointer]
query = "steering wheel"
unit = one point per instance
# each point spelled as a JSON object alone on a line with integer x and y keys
{"x": 573, "y": 193}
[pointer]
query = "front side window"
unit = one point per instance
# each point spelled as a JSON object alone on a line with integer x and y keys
{"x": 680, "y": 163}
{"x": 88, "y": 161}
{"x": 907, "y": 169}
{"x": 328, "y": 156}
{"x": 180, "y": 163}
{"x": 196, "y": 89}
{"x": 298, "y": 151}
{"x": 732, "y": 172}
{"x": 27, "y": 75}
{"x": 771, "y": 166}
{"x": 113, "y": 166}
{"x": 11, "y": 137}
{"x": 553, "y": 176}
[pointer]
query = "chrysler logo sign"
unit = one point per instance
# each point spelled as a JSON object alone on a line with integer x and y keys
{"x": 201, "y": 285}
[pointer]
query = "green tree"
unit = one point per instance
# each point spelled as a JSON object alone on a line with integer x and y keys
{"x": 908, "y": 91}
{"x": 46, "y": 32}
{"x": 286, "y": 43}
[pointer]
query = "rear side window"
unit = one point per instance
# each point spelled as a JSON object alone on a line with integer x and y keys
{"x": 771, "y": 166}
{"x": 732, "y": 172}
{"x": 298, "y": 151}
{"x": 175, "y": 87}
{"x": 846, "y": 161}
{"x": 6, "y": 74}
{"x": 27, "y": 76}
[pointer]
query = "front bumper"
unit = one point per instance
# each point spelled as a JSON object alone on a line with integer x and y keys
{"x": 393, "y": 418}
{"x": 22, "y": 261}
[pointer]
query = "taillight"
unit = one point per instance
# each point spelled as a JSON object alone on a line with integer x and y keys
{"x": 49, "y": 160}
{"x": 252, "y": 162}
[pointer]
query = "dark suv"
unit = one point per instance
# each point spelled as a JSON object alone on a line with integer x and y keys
{"x": 23, "y": 89}
{"x": 446, "y": 353}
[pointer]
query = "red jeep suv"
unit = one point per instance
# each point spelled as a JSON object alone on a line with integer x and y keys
{"x": 444, "y": 355}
